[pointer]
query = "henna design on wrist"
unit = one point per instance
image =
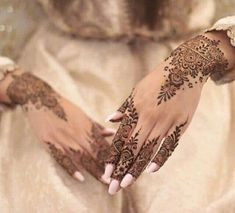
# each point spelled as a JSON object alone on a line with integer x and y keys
{"x": 191, "y": 63}
{"x": 168, "y": 145}
{"x": 27, "y": 88}
{"x": 129, "y": 120}
{"x": 127, "y": 157}
{"x": 62, "y": 159}
{"x": 143, "y": 157}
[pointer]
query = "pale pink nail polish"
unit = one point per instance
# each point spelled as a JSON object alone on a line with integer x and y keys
{"x": 114, "y": 187}
{"x": 127, "y": 180}
{"x": 110, "y": 130}
{"x": 107, "y": 173}
{"x": 110, "y": 117}
{"x": 153, "y": 167}
{"x": 79, "y": 176}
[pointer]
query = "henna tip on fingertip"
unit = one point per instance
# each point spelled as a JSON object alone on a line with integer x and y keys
{"x": 79, "y": 176}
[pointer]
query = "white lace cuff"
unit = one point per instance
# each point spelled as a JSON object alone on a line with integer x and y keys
{"x": 226, "y": 24}
{"x": 6, "y": 66}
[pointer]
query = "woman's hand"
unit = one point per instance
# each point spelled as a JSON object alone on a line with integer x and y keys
{"x": 74, "y": 140}
{"x": 160, "y": 108}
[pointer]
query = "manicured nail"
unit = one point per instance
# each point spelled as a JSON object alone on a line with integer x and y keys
{"x": 127, "y": 180}
{"x": 109, "y": 131}
{"x": 107, "y": 172}
{"x": 116, "y": 116}
{"x": 79, "y": 176}
{"x": 153, "y": 167}
{"x": 114, "y": 187}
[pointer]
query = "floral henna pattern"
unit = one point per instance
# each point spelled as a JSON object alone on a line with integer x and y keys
{"x": 168, "y": 146}
{"x": 127, "y": 157}
{"x": 129, "y": 120}
{"x": 143, "y": 157}
{"x": 62, "y": 159}
{"x": 26, "y": 89}
{"x": 191, "y": 63}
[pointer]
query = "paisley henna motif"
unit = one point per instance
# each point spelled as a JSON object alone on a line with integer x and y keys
{"x": 27, "y": 88}
{"x": 168, "y": 146}
{"x": 191, "y": 63}
{"x": 129, "y": 120}
{"x": 143, "y": 157}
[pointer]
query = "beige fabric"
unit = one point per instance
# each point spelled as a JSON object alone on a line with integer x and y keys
{"x": 98, "y": 75}
{"x": 227, "y": 24}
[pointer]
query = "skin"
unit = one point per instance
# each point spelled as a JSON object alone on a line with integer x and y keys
{"x": 161, "y": 106}
{"x": 75, "y": 141}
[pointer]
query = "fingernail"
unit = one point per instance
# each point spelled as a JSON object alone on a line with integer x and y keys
{"x": 110, "y": 131}
{"x": 153, "y": 167}
{"x": 107, "y": 172}
{"x": 79, "y": 176}
{"x": 115, "y": 117}
{"x": 110, "y": 117}
{"x": 127, "y": 180}
{"x": 114, "y": 187}
{"x": 105, "y": 179}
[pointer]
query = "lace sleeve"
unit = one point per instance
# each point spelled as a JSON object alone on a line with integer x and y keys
{"x": 227, "y": 24}
{"x": 6, "y": 66}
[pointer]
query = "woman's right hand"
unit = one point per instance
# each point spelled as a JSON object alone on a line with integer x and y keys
{"x": 74, "y": 140}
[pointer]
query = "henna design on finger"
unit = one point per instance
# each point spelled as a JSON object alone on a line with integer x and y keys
{"x": 143, "y": 157}
{"x": 191, "y": 63}
{"x": 87, "y": 162}
{"x": 99, "y": 145}
{"x": 127, "y": 157}
{"x": 27, "y": 88}
{"x": 62, "y": 159}
{"x": 168, "y": 146}
{"x": 129, "y": 120}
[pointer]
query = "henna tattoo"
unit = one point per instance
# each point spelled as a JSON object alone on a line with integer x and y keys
{"x": 62, "y": 159}
{"x": 129, "y": 120}
{"x": 98, "y": 144}
{"x": 168, "y": 146}
{"x": 127, "y": 157}
{"x": 26, "y": 89}
{"x": 87, "y": 162}
{"x": 143, "y": 157}
{"x": 191, "y": 63}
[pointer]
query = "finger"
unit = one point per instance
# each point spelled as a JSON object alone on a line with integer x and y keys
{"x": 65, "y": 162}
{"x": 145, "y": 154}
{"x": 129, "y": 152}
{"x": 168, "y": 146}
{"x": 125, "y": 129}
{"x": 115, "y": 117}
{"x": 85, "y": 160}
{"x": 141, "y": 162}
{"x": 118, "y": 115}
{"x": 108, "y": 132}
